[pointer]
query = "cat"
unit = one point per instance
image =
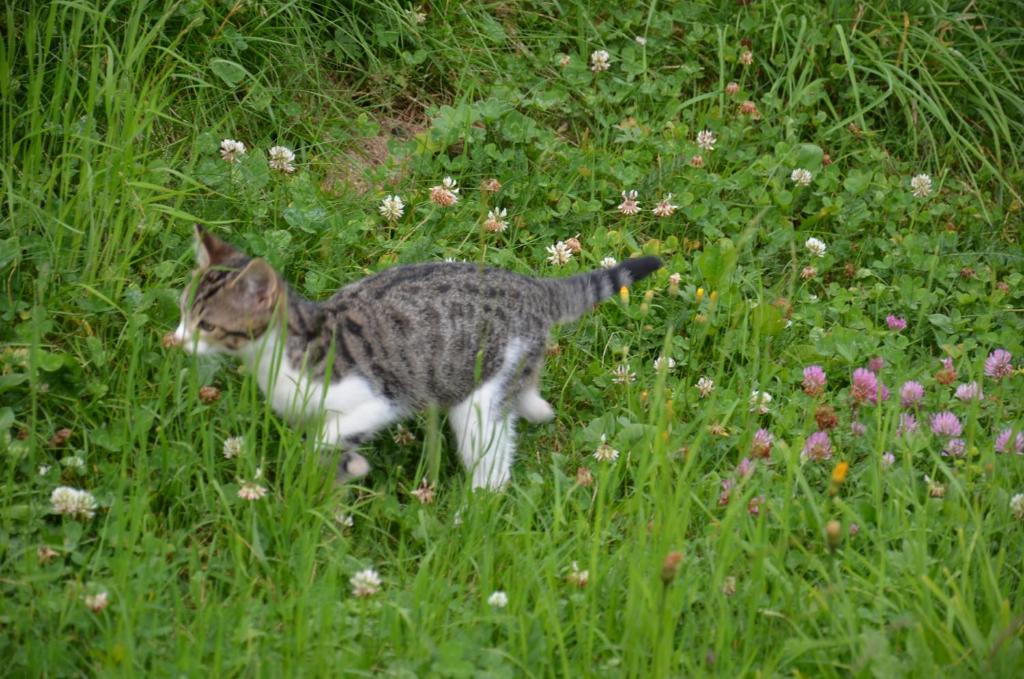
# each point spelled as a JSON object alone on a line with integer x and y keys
{"x": 454, "y": 335}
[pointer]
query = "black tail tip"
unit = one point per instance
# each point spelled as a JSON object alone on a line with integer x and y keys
{"x": 641, "y": 267}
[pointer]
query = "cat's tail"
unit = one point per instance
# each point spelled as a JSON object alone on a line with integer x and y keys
{"x": 574, "y": 296}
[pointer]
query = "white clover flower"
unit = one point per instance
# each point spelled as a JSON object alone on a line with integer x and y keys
{"x": 44, "y": 469}
{"x": 706, "y": 140}
{"x": 675, "y": 279}
{"x": 608, "y": 262}
{"x": 622, "y": 375}
{"x": 560, "y": 253}
{"x": 935, "y": 489}
{"x": 446, "y": 193}
{"x": 252, "y": 491}
{"x": 629, "y": 206}
{"x": 391, "y": 208}
{"x": 231, "y": 150}
{"x": 73, "y": 502}
{"x": 577, "y": 577}
{"x": 760, "y": 401}
{"x": 281, "y": 159}
{"x": 1017, "y": 505}
{"x": 365, "y": 583}
{"x": 604, "y": 452}
{"x": 665, "y": 208}
{"x": 496, "y": 220}
{"x": 815, "y": 247}
{"x": 705, "y": 385}
{"x": 233, "y": 447}
{"x": 668, "y": 362}
{"x": 344, "y": 520}
{"x": 921, "y": 185}
{"x": 97, "y": 602}
{"x": 424, "y": 493}
{"x": 564, "y": 60}
{"x": 747, "y": 58}
{"x": 599, "y": 61}
{"x": 801, "y": 177}
{"x": 73, "y": 462}
{"x": 498, "y": 599}
{"x": 640, "y": 40}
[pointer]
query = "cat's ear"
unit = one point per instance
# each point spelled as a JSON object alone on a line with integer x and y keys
{"x": 210, "y": 250}
{"x": 259, "y": 283}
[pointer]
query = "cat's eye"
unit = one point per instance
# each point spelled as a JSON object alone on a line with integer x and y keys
{"x": 205, "y": 327}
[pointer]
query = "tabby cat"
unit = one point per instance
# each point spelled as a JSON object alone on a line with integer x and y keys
{"x": 455, "y": 335}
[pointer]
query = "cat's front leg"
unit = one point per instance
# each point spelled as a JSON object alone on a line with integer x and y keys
{"x": 348, "y": 430}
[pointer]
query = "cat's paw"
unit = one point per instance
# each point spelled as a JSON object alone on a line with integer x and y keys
{"x": 351, "y": 466}
{"x": 533, "y": 408}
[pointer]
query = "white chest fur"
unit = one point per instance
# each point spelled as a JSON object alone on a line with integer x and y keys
{"x": 292, "y": 393}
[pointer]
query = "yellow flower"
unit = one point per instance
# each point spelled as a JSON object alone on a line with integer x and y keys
{"x": 839, "y": 473}
{"x": 713, "y": 296}
{"x": 624, "y": 294}
{"x": 700, "y": 294}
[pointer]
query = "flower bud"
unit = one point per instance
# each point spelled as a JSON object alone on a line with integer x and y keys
{"x": 834, "y": 533}
{"x": 670, "y": 567}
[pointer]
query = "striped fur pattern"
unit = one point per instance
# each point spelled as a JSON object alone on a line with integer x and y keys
{"x": 460, "y": 336}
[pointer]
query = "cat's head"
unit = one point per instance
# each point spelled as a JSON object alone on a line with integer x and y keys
{"x": 230, "y": 302}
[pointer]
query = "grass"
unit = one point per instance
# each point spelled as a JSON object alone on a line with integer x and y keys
{"x": 111, "y": 119}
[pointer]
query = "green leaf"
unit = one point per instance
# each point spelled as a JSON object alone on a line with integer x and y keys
{"x": 230, "y": 72}
{"x": 11, "y": 381}
{"x": 51, "y": 362}
{"x": 10, "y": 251}
{"x": 942, "y": 322}
{"x": 857, "y": 181}
{"x": 310, "y": 220}
{"x": 807, "y": 156}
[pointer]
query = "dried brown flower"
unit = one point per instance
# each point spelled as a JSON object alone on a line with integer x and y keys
{"x": 209, "y": 394}
{"x": 60, "y": 437}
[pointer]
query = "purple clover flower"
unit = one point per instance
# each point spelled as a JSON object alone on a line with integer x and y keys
{"x": 911, "y": 394}
{"x": 817, "y": 447}
{"x": 1002, "y": 444}
{"x": 955, "y": 448}
{"x": 997, "y": 365}
{"x": 814, "y": 380}
{"x": 946, "y": 424}
{"x": 864, "y": 388}
{"x": 907, "y": 424}
{"x": 761, "y": 446}
{"x": 896, "y": 323}
{"x": 969, "y": 391}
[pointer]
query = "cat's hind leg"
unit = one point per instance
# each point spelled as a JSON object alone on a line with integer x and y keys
{"x": 484, "y": 424}
{"x": 486, "y": 439}
{"x": 529, "y": 403}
